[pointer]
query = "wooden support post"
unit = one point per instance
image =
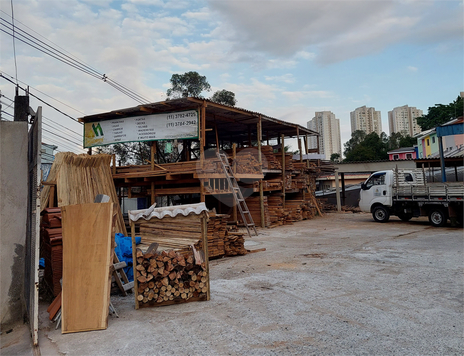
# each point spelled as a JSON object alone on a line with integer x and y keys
{"x": 342, "y": 175}
{"x": 234, "y": 169}
{"x": 282, "y": 147}
{"x": 51, "y": 196}
{"x": 260, "y": 159}
{"x": 202, "y": 133}
{"x": 337, "y": 192}
{"x": 306, "y": 144}
{"x": 204, "y": 237}
{"x": 299, "y": 143}
{"x": 152, "y": 158}
{"x": 202, "y": 190}
{"x": 217, "y": 137}
{"x": 134, "y": 263}
{"x": 114, "y": 163}
{"x": 249, "y": 135}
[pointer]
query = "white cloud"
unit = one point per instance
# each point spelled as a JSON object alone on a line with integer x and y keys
{"x": 286, "y": 78}
{"x": 413, "y": 69}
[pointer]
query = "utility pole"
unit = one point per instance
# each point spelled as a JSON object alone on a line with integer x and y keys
{"x": 21, "y": 107}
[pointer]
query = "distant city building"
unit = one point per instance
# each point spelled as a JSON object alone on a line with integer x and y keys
{"x": 367, "y": 120}
{"x": 328, "y": 126}
{"x": 403, "y": 119}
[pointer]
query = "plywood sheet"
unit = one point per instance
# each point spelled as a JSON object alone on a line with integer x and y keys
{"x": 87, "y": 257}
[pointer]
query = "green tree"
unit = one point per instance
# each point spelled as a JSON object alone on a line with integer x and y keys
{"x": 362, "y": 147}
{"x": 335, "y": 157}
{"x": 398, "y": 140}
{"x": 439, "y": 114}
{"x": 187, "y": 84}
{"x": 224, "y": 97}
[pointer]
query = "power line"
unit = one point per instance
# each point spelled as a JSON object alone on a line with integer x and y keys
{"x": 64, "y": 138}
{"x": 14, "y": 44}
{"x": 75, "y": 132}
{"x": 43, "y": 47}
{"x": 50, "y": 105}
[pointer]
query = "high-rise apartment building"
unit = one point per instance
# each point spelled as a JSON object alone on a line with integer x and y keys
{"x": 328, "y": 127}
{"x": 366, "y": 119}
{"x": 403, "y": 119}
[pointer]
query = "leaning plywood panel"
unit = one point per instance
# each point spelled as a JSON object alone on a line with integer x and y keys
{"x": 87, "y": 257}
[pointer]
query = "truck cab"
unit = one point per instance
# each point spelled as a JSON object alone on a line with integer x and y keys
{"x": 376, "y": 191}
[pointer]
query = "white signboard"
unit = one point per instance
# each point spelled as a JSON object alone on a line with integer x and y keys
{"x": 167, "y": 126}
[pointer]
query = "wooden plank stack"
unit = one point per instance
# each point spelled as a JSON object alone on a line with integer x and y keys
{"x": 169, "y": 277}
{"x": 217, "y": 230}
{"x": 276, "y": 209}
{"x": 247, "y": 163}
{"x": 234, "y": 244}
{"x": 51, "y": 248}
{"x": 273, "y": 162}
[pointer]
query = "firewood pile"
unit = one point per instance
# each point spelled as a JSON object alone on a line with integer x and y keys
{"x": 170, "y": 277}
{"x": 51, "y": 248}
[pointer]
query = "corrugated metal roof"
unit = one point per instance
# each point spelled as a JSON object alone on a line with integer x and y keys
{"x": 171, "y": 211}
{"x": 231, "y": 121}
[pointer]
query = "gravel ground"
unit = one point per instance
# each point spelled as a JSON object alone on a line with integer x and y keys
{"x": 340, "y": 284}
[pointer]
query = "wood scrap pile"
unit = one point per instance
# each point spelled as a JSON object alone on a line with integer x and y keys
{"x": 234, "y": 244}
{"x": 170, "y": 277}
{"x": 51, "y": 248}
{"x": 79, "y": 179}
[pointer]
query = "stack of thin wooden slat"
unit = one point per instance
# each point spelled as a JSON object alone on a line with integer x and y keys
{"x": 294, "y": 210}
{"x": 51, "y": 248}
{"x": 79, "y": 179}
{"x": 169, "y": 277}
{"x": 217, "y": 229}
{"x": 171, "y": 233}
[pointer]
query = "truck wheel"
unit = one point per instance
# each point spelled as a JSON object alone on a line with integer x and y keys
{"x": 380, "y": 214}
{"x": 405, "y": 217}
{"x": 437, "y": 217}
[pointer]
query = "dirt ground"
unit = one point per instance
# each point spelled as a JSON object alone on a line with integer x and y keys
{"x": 340, "y": 284}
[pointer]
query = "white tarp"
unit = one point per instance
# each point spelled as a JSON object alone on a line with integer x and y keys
{"x": 171, "y": 211}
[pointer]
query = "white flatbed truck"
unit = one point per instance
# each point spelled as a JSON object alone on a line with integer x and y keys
{"x": 406, "y": 194}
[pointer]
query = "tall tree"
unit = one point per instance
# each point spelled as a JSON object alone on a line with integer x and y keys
{"x": 224, "y": 97}
{"x": 187, "y": 84}
{"x": 398, "y": 140}
{"x": 439, "y": 114}
{"x": 362, "y": 147}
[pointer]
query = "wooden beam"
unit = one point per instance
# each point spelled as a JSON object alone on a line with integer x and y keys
{"x": 282, "y": 147}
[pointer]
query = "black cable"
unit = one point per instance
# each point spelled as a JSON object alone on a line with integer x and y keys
{"x": 2, "y": 76}
{"x": 64, "y": 138}
{"x": 51, "y": 126}
{"x": 14, "y": 44}
{"x": 59, "y": 55}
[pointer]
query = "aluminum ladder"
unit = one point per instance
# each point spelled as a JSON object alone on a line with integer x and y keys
{"x": 237, "y": 193}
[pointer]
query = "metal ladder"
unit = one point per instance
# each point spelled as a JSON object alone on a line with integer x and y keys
{"x": 237, "y": 193}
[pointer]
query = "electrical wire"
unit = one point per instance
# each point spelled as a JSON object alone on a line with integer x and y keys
{"x": 50, "y": 105}
{"x": 14, "y": 44}
{"x": 45, "y": 48}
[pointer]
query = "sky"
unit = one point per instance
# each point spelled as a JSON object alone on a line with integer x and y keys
{"x": 285, "y": 59}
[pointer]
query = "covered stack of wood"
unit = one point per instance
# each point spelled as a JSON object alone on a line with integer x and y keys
{"x": 51, "y": 248}
{"x": 170, "y": 277}
{"x": 171, "y": 233}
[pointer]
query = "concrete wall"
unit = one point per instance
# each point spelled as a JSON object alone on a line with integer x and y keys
{"x": 13, "y": 212}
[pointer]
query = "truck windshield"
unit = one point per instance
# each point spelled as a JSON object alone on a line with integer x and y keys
{"x": 375, "y": 179}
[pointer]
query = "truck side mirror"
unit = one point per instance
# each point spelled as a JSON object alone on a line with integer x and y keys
{"x": 363, "y": 186}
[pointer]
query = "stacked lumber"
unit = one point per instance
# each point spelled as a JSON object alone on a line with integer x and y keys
{"x": 51, "y": 248}
{"x": 79, "y": 179}
{"x": 217, "y": 230}
{"x": 234, "y": 244}
{"x": 272, "y": 162}
{"x": 276, "y": 210}
{"x": 294, "y": 209}
{"x": 254, "y": 208}
{"x": 247, "y": 163}
{"x": 288, "y": 160}
{"x": 171, "y": 233}
{"x": 170, "y": 277}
